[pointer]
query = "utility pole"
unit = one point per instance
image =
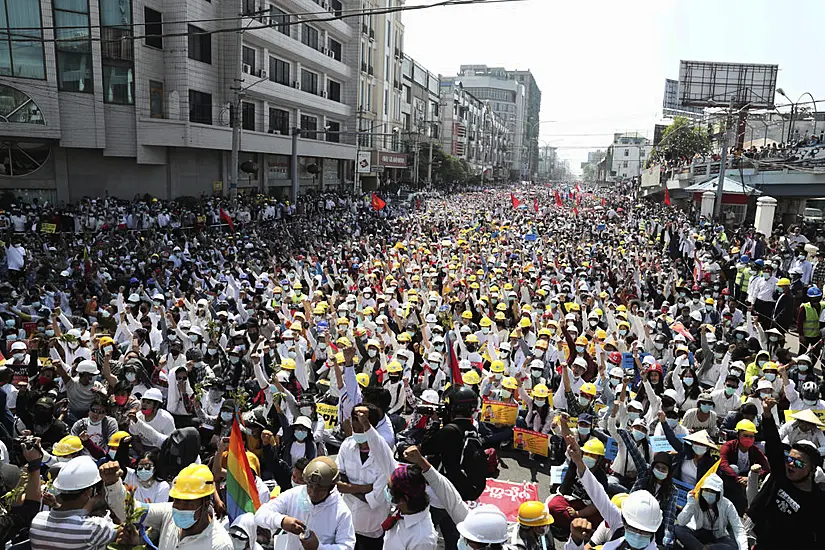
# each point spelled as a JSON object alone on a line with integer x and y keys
{"x": 293, "y": 167}
{"x": 717, "y": 210}
{"x": 236, "y": 112}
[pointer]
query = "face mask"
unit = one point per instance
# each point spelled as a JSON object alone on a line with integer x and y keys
{"x": 306, "y": 411}
{"x": 485, "y": 330}
{"x": 184, "y": 519}
{"x": 687, "y": 381}
{"x": 13, "y": 337}
{"x": 539, "y": 402}
{"x": 172, "y": 336}
{"x": 718, "y": 356}
{"x": 368, "y": 318}
{"x": 636, "y": 540}
{"x": 43, "y": 380}
{"x": 766, "y": 276}
{"x": 505, "y": 394}
{"x": 614, "y": 382}
{"x": 193, "y": 337}
{"x": 584, "y": 401}
{"x": 632, "y": 416}
{"x": 234, "y": 359}
{"x": 108, "y": 349}
{"x": 145, "y": 475}
{"x": 803, "y": 367}
{"x": 146, "y": 412}
{"x": 105, "y": 314}
{"x": 583, "y": 431}
{"x": 49, "y": 332}
{"x": 710, "y": 498}
{"x": 19, "y": 356}
{"x": 580, "y": 349}
{"x": 660, "y": 475}
{"x": 130, "y": 377}
{"x": 672, "y": 422}
{"x": 112, "y": 453}
{"x": 537, "y": 373}
{"x": 359, "y": 438}
{"x": 740, "y": 336}
{"x": 622, "y": 332}
{"x": 539, "y": 353}
{"x": 729, "y": 391}
{"x": 705, "y": 408}
{"x": 211, "y": 351}
{"x": 746, "y": 442}
{"x": 659, "y": 345}
{"x": 589, "y": 461}
{"x": 388, "y": 496}
{"x": 770, "y": 377}
{"x": 121, "y": 399}
{"x": 300, "y": 435}
{"x": 498, "y": 376}
{"x": 699, "y": 450}
{"x": 226, "y": 416}
{"x": 594, "y": 323}
{"x": 810, "y": 402}
{"x": 372, "y": 352}
{"x": 638, "y": 435}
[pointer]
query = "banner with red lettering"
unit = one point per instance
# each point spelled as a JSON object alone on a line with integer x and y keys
{"x": 506, "y": 496}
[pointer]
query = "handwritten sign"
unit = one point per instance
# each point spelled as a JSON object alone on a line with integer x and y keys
{"x": 557, "y": 474}
{"x": 498, "y": 412}
{"x": 660, "y": 444}
{"x": 530, "y": 441}
{"x": 48, "y": 228}
{"x": 330, "y": 414}
{"x": 506, "y": 496}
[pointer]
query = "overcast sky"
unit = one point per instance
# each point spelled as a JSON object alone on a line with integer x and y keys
{"x": 601, "y": 64}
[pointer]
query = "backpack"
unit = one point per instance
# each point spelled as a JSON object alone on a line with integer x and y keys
{"x": 474, "y": 466}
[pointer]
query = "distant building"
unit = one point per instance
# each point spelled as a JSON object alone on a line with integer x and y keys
{"x": 627, "y": 156}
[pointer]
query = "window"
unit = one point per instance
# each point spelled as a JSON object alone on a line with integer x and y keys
{"x": 200, "y": 44}
{"x": 200, "y": 107}
{"x": 333, "y": 90}
{"x": 309, "y": 36}
{"x": 279, "y": 71}
{"x": 248, "y": 56}
{"x": 153, "y": 28}
{"x": 249, "y": 7}
{"x": 309, "y": 127}
{"x": 624, "y": 164}
{"x": 248, "y": 116}
{"x": 278, "y": 121}
{"x": 335, "y": 49}
{"x": 337, "y": 7}
{"x": 279, "y": 19}
{"x": 116, "y": 47}
{"x": 309, "y": 81}
{"x": 73, "y": 46}
{"x": 21, "y": 39}
{"x": 334, "y": 132}
{"x": 156, "y": 99}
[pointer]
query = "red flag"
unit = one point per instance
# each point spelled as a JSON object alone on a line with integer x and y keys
{"x": 516, "y": 202}
{"x": 452, "y": 360}
{"x": 575, "y": 211}
{"x": 604, "y": 201}
{"x": 536, "y": 204}
{"x": 578, "y": 188}
{"x": 667, "y": 197}
{"x": 558, "y": 199}
{"x": 227, "y": 220}
{"x": 377, "y": 202}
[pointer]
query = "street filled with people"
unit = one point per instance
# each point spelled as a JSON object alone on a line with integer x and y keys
{"x": 352, "y": 371}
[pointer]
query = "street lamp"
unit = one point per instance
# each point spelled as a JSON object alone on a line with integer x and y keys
{"x": 781, "y": 92}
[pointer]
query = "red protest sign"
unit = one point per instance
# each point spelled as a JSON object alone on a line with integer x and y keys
{"x": 506, "y": 496}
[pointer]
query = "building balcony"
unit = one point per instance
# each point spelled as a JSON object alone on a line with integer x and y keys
{"x": 280, "y": 44}
{"x": 297, "y": 98}
{"x": 337, "y": 26}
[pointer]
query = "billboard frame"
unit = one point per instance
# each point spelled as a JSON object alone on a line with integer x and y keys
{"x": 712, "y": 84}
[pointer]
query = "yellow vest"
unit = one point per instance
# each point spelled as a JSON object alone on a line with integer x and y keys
{"x": 810, "y": 328}
{"x": 746, "y": 280}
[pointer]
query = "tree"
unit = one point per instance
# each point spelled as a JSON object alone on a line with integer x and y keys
{"x": 452, "y": 170}
{"x": 681, "y": 140}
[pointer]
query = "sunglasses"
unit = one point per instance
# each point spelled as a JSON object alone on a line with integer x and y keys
{"x": 795, "y": 462}
{"x": 97, "y": 411}
{"x": 145, "y": 467}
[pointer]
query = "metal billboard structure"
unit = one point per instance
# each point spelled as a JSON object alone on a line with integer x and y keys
{"x": 710, "y": 84}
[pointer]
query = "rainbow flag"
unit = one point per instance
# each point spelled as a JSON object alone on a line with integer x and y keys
{"x": 241, "y": 491}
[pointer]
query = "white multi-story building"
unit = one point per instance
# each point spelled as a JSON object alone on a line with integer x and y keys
{"x": 137, "y": 96}
{"x": 629, "y": 152}
{"x": 420, "y": 111}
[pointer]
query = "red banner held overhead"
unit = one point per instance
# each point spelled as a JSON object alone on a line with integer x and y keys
{"x": 377, "y": 203}
{"x": 516, "y": 202}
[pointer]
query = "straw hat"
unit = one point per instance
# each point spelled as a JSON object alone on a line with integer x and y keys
{"x": 808, "y": 415}
{"x": 702, "y": 438}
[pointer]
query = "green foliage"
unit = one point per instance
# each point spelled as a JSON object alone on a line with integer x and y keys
{"x": 681, "y": 140}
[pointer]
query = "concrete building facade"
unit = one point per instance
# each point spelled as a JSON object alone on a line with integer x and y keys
{"x": 420, "y": 111}
{"x": 138, "y": 96}
{"x": 627, "y": 155}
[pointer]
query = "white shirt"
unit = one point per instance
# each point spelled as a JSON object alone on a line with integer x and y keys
{"x": 330, "y": 520}
{"x": 16, "y": 257}
{"x": 156, "y": 492}
{"x": 154, "y": 432}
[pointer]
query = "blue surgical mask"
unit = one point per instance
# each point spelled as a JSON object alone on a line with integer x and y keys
{"x": 583, "y": 431}
{"x": 359, "y": 438}
{"x": 660, "y": 475}
{"x": 729, "y": 391}
{"x": 184, "y": 519}
{"x": 388, "y": 495}
{"x": 637, "y": 541}
{"x": 709, "y": 497}
{"x": 803, "y": 367}
{"x": 273, "y": 388}
{"x": 638, "y": 435}
{"x": 580, "y": 349}
{"x": 687, "y": 381}
{"x": 584, "y": 401}
{"x": 226, "y": 416}
{"x": 770, "y": 376}
{"x": 50, "y": 332}
{"x": 145, "y": 475}
{"x": 672, "y": 422}
{"x": 300, "y": 435}
{"x": 705, "y": 408}
{"x": 589, "y": 461}
{"x": 632, "y": 416}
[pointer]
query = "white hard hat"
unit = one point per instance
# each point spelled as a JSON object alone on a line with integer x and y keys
{"x": 764, "y": 385}
{"x": 303, "y": 421}
{"x": 485, "y": 524}
{"x": 19, "y": 346}
{"x": 196, "y": 330}
{"x": 78, "y": 474}
{"x": 434, "y": 357}
{"x": 537, "y": 364}
{"x": 430, "y": 397}
{"x": 87, "y": 366}
{"x": 431, "y": 318}
{"x": 134, "y": 297}
{"x": 580, "y": 362}
{"x": 74, "y": 333}
{"x": 465, "y": 364}
{"x": 618, "y": 372}
{"x": 640, "y": 510}
{"x": 153, "y": 394}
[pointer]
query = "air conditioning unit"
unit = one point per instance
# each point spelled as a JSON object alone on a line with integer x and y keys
{"x": 263, "y": 73}
{"x": 325, "y": 51}
{"x": 247, "y": 69}
{"x": 331, "y": 54}
{"x": 324, "y": 94}
{"x": 296, "y": 85}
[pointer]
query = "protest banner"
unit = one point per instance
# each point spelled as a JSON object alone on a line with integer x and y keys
{"x": 530, "y": 441}
{"x": 506, "y": 496}
{"x": 498, "y": 412}
{"x": 330, "y": 414}
{"x": 48, "y": 228}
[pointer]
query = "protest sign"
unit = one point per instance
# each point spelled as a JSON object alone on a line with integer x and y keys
{"x": 506, "y": 496}
{"x": 498, "y": 412}
{"x": 530, "y": 441}
{"x": 330, "y": 414}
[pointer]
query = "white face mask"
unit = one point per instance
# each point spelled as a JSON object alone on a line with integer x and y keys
{"x": 505, "y": 394}
{"x": 372, "y": 352}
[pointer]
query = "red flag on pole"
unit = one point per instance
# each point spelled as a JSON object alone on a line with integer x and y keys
{"x": 377, "y": 203}
{"x": 558, "y": 199}
{"x": 452, "y": 360}
{"x": 575, "y": 211}
{"x": 536, "y": 204}
{"x": 667, "y": 197}
{"x": 227, "y": 220}
{"x": 516, "y": 202}
{"x": 604, "y": 201}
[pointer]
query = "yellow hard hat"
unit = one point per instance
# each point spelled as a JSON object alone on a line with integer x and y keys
{"x": 68, "y": 445}
{"x": 617, "y": 500}
{"x": 471, "y": 378}
{"x": 524, "y": 323}
{"x": 501, "y": 306}
{"x": 369, "y": 310}
{"x": 105, "y": 341}
{"x": 343, "y": 342}
{"x": 471, "y": 339}
{"x": 541, "y": 391}
{"x": 485, "y": 322}
{"x": 497, "y": 366}
{"x": 601, "y": 334}
{"x": 621, "y": 307}
{"x": 594, "y": 447}
{"x": 542, "y": 344}
{"x": 467, "y": 314}
{"x": 193, "y": 482}
{"x": 581, "y": 341}
{"x": 342, "y": 321}
{"x": 394, "y": 366}
{"x": 784, "y": 281}
{"x": 500, "y": 316}
{"x": 545, "y": 332}
{"x": 339, "y": 358}
{"x": 373, "y": 343}
{"x": 363, "y": 379}
{"x": 117, "y": 437}
{"x": 746, "y": 426}
{"x": 288, "y": 363}
{"x": 533, "y": 513}
{"x": 404, "y": 337}
{"x": 589, "y": 388}
{"x": 510, "y": 383}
